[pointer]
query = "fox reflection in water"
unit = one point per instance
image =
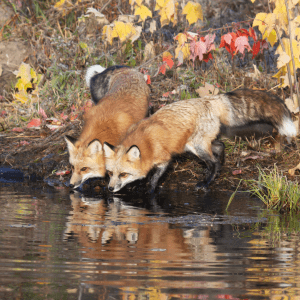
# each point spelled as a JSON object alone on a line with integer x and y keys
{"x": 95, "y": 222}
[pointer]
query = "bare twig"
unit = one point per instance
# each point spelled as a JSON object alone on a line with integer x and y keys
{"x": 103, "y": 7}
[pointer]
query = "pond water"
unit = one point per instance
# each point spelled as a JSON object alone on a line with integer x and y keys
{"x": 57, "y": 245}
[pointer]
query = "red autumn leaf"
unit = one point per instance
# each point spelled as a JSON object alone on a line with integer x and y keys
{"x": 228, "y": 41}
{"x": 252, "y": 34}
{"x": 255, "y": 48}
{"x": 241, "y": 43}
{"x": 18, "y": 129}
{"x": 209, "y": 42}
{"x": 166, "y": 94}
{"x": 242, "y": 32}
{"x": 167, "y": 58}
{"x": 148, "y": 79}
{"x": 34, "y": 123}
{"x": 207, "y": 57}
{"x": 162, "y": 69}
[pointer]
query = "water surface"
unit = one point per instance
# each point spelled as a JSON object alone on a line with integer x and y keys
{"x": 57, "y": 245}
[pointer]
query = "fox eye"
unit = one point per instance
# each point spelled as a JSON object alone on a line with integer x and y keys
{"x": 83, "y": 169}
{"x": 123, "y": 175}
{"x": 110, "y": 173}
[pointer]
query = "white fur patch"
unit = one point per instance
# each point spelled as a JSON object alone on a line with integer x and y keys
{"x": 91, "y": 71}
{"x": 288, "y": 128}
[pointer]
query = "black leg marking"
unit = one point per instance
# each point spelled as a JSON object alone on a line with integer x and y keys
{"x": 158, "y": 173}
{"x": 213, "y": 166}
{"x": 218, "y": 148}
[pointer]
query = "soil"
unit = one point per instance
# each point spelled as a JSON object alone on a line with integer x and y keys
{"x": 46, "y": 152}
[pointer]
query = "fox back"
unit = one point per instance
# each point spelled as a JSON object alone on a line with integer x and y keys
{"x": 126, "y": 102}
{"x": 191, "y": 125}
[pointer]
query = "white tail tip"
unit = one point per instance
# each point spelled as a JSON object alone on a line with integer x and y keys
{"x": 288, "y": 128}
{"x": 91, "y": 71}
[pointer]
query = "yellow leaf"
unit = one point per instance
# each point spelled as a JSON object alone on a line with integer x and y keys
{"x": 296, "y": 52}
{"x": 265, "y": 23}
{"x": 283, "y": 59}
{"x": 109, "y": 33}
{"x": 33, "y": 75}
{"x": 297, "y": 33}
{"x": 23, "y": 97}
{"x": 143, "y": 12}
{"x": 185, "y": 51}
{"x": 281, "y": 14}
{"x": 181, "y": 38}
{"x": 159, "y": 4}
{"x": 168, "y": 11}
{"x": 252, "y": 1}
{"x": 193, "y": 12}
{"x": 272, "y": 38}
{"x": 59, "y": 4}
{"x": 24, "y": 72}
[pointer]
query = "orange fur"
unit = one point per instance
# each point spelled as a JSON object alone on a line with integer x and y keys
{"x": 122, "y": 106}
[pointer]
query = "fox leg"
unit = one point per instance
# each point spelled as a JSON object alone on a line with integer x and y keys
{"x": 210, "y": 155}
{"x": 218, "y": 148}
{"x": 158, "y": 173}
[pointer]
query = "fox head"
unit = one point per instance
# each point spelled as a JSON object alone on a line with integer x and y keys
{"x": 123, "y": 166}
{"x": 87, "y": 161}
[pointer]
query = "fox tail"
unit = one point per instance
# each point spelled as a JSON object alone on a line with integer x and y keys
{"x": 92, "y": 71}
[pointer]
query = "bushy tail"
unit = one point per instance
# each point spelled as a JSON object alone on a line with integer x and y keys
{"x": 92, "y": 71}
{"x": 256, "y": 106}
{"x": 287, "y": 128}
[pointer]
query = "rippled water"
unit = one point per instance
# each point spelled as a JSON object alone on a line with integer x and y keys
{"x": 56, "y": 245}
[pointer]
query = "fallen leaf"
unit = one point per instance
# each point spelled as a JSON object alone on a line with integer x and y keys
{"x": 208, "y": 89}
{"x": 166, "y": 94}
{"x": 18, "y": 129}
{"x": 42, "y": 113}
{"x": 237, "y": 172}
{"x": 34, "y": 123}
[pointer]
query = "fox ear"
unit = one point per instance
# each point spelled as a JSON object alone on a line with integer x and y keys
{"x": 95, "y": 147}
{"x": 109, "y": 150}
{"x": 134, "y": 153}
{"x": 70, "y": 142}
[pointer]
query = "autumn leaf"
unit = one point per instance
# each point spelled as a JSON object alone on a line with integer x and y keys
{"x": 143, "y": 12}
{"x": 208, "y": 89}
{"x": 34, "y": 123}
{"x": 193, "y": 12}
{"x": 162, "y": 69}
{"x": 296, "y": 52}
{"x": 241, "y": 43}
{"x": 167, "y": 11}
{"x": 181, "y": 38}
{"x": 167, "y": 58}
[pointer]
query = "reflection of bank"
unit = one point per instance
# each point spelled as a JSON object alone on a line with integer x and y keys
{"x": 136, "y": 251}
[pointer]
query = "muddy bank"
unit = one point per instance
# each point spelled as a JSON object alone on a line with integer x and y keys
{"x": 44, "y": 158}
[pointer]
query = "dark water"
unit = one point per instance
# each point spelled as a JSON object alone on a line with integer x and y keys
{"x": 56, "y": 245}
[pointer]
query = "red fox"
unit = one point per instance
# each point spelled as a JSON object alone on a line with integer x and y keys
{"x": 191, "y": 125}
{"x": 121, "y": 96}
